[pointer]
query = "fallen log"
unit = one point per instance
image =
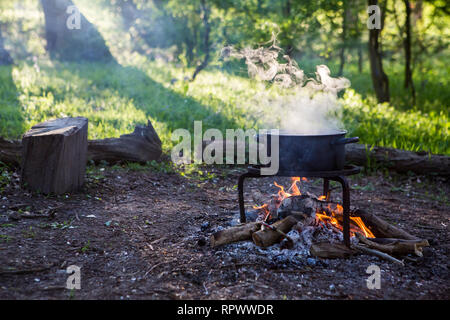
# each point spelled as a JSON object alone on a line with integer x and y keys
{"x": 397, "y": 246}
{"x": 268, "y": 237}
{"x": 380, "y": 228}
{"x": 11, "y": 152}
{"x": 235, "y": 234}
{"x": 398, "y": 160}
{"x": 142, "y": 145}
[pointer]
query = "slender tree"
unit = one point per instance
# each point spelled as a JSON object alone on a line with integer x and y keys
{"x": 5, "y": 57}
{"x": 345, "y": 16}
{"x": 407, "y": 46}
{"x": 206, "y": 44}
{"x": 379, "y": 78}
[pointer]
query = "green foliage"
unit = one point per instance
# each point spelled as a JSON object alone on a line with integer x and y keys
{"x": 5, "y": 176}
{"x": 117, "y": 96}
{"x": 383, "y": 125}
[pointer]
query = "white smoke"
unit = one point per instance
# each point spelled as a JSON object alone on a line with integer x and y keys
{"x": 309, "y": 105}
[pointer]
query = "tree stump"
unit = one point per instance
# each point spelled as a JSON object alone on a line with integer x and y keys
{"x": 54, "y": 155}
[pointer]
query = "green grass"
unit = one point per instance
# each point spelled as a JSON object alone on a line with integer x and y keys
{"x": 115, "y": 98}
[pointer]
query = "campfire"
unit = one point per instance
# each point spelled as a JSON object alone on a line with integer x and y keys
{"x": 329, "y": 217}
{"x": 292, "y": 219}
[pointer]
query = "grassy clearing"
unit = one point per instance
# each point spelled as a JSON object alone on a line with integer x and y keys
{"x": 115, "y": 98}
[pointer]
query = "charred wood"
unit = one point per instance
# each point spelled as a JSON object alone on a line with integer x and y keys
{"x": 327, "y": 250}
{"x": 380, "y": 228}
{"x": 235, "y": 234}
{"x": 268, "y": 237}
{"x": 396, "y": 247}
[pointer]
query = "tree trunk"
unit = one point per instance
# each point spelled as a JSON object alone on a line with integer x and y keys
{"x": 79, "y": 42}
{"x": 345, "y": 16}
{"x": 360, "y": 58}
{"x": 379, "y": 78}
{"x": 5, "y": 58}
{"x": 205, "y": 61}
{"x": 407, "y": 45}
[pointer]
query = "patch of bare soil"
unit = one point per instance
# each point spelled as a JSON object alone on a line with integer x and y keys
{"x": 145, "y": 235}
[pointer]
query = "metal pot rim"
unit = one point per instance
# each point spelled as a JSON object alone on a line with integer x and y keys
{"x": 289, "y": 134}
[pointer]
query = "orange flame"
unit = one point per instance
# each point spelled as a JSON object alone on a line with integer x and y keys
{"x": 357, "y": 226}
{"x": 362, "y": 226}
{"x": 334, "y": 218}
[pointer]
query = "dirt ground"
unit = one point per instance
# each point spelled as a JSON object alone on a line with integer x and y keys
{"x": 143, "y": 234}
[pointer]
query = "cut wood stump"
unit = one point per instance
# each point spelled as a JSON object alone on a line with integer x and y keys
{"x": 54, "y": 155}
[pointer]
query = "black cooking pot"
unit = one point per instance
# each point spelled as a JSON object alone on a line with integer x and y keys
{"x": 321, "y": 152}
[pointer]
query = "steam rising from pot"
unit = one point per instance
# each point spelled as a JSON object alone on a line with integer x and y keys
{"x": 308, "y": 105}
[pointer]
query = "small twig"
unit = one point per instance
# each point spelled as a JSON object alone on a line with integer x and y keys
{"x": 24, "y": 271}
{"x": 152, "y": 268}
{"x": 379, "y": 254}
{"x": 158, "y": 240}
{"x": 277, "y": 230}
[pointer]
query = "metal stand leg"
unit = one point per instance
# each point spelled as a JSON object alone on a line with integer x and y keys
{"x": 326, "y": 189}
{"x": 241, "y": 197}
{"x": 346, "y": 208}
{"x": 241, "y": 193}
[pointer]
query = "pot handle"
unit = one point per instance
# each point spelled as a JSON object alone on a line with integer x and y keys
{"x": 346, "y": 140}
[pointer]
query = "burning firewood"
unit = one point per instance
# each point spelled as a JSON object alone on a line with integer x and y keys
{"x": 379, "y": 254}
{"x": 396, "y": 246}
{"x": 268, "y": 237}
{"x": 308, "y": 205}
{"x": 327, "y": 250}
{"x": 268, "y": 209}
{"x": 381, "y": 228}
{"x": 235, "y": 234}
{"x": 319, "y": 224}
{"x": 258, "y": 198}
